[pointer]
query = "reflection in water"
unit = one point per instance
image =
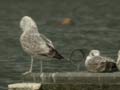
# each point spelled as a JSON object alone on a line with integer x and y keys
{"x": 96, "y": 26}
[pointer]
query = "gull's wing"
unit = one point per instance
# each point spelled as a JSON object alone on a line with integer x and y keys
{"x": 53, "y": 52}
{"x": 48, "y": 41}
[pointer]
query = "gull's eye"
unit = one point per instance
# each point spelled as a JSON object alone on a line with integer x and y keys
{"x": 92, "y": 54}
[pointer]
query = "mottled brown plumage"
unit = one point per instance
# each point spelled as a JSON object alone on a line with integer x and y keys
{"x": 34, "y": 43}
{"x": 96, "y": 63}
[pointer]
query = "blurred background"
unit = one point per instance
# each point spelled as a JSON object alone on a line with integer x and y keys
{"x": 96, "y": 26}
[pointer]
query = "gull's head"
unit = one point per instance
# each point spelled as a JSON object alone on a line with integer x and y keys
{"x": 94, "y": 53}
{"x": 27, "y": 22}
{"x": 91, "y": 55}
{"x": 119, "y": 53}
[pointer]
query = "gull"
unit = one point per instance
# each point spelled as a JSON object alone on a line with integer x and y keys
{"x": 34, "y": 43}
{"x": 97, "y": 63}
{"x": 118, "y": 60}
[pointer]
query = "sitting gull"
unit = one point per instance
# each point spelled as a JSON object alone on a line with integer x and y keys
{"x": 34, "y": 43}
{"x": 118, "y": 60}
{"x": 97, "y": 63}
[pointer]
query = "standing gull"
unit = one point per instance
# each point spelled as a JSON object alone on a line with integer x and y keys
{"x": 97, "y": 63}
{"x": 34, "y": 43}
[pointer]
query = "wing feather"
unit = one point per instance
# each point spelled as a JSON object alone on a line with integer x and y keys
{"x": 48, "y": 41}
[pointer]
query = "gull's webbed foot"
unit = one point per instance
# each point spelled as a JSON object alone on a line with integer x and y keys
{"x": 26, "y": 73}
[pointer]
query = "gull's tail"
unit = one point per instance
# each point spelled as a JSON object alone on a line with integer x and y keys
{"x": 57, "y": 55}
{"x": 111, "y": 66}
{"x": 54, "y": 53}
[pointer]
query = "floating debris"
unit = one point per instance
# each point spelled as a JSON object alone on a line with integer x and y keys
{"x": 67, "y": 21}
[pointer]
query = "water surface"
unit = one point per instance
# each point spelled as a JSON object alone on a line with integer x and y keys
{"x": 97, "y": 26}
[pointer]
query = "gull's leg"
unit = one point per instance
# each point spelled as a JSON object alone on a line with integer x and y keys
{"x": 30, "y": 70}
{"x": 41, "y": 66}
{"x": 41, "y": 74}
{"x": 31, "y": 66}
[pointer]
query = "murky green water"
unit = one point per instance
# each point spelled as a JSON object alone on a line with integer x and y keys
{"x": 97, "y": 26}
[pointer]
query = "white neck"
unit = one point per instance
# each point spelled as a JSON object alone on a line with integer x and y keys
{"x": 118, "y": 60}
{"x": 87, "y": 59}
